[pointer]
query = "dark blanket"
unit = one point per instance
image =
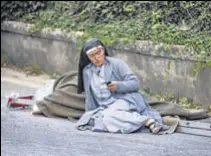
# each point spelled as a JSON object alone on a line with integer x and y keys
{"x": 65, "y": 102}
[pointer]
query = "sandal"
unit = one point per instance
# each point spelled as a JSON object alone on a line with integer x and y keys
{"x": 153, "y": 125}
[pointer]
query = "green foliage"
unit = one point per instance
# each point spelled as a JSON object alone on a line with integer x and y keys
{"x": 199, "y": 66}
{"x": 171, "y": 22}
{"x": 185, "y": 103}
{"x": 4, "y": 61}
{"x": 182, "y": 101}
{"x": 54, "y": 75}
{"x": 13, "y": 10}
{"x": 33, "y": 70}
{"x": 209, "y": 63}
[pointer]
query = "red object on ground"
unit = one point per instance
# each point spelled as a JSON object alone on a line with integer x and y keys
{"x": 13, "y": 101}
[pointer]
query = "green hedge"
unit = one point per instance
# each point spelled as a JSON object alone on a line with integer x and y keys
{"x": 169, "y": 12}
{"x": 172, "y": 22}
{"x": 13, "y": 10}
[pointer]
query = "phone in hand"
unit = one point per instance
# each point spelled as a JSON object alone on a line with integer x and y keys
{"x": 108, "y": 83}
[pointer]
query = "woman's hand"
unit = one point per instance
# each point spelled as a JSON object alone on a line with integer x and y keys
{"x": 112, "y": 86}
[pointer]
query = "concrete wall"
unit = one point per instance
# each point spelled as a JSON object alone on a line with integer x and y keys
{"x": 157, "y": 69}
{"x": 51, "y": 55}
{"x": 52, "y": 51}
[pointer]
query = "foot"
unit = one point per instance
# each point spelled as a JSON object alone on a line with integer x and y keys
{"x": 153, "y": 125}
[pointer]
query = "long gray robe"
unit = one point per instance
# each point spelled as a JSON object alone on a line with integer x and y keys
{"x": 127, "y": 114}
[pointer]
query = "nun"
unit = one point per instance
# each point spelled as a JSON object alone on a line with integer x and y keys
{"x": 113, "y": 102}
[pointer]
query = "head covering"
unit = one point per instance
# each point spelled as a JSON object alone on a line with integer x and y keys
{"x": 92, "y": 49}
{"x": 84, "y": 60}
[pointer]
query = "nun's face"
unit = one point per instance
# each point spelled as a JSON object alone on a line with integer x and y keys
{"x": 97, "y": 56}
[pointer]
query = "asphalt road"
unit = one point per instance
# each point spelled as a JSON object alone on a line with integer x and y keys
{"x": 25, "y": 135}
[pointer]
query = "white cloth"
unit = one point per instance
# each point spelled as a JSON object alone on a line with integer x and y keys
{"x": 45, "y": 90}
{"x": 102, "y": 95}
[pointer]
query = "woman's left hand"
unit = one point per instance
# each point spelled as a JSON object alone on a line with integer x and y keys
{"x": 112, "y": 86}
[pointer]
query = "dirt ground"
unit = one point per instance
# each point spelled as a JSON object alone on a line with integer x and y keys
{"x": 18, "y": 76}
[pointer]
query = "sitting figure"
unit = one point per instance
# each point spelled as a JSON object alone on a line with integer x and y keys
{"x": 113, "y": 102}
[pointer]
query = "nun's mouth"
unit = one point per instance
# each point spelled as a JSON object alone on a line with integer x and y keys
{"x": 98, "y": 63}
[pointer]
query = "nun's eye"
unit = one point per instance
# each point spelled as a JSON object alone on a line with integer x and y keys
{"x": 93, "y": 55}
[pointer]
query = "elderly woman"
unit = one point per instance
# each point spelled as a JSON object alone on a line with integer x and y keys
{"x": 113, "y": 101}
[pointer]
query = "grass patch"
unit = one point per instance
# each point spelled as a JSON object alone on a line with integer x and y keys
{"x": 184, "y": 102}
{"x": 54, "y": 75}
{"x": 4, "y": 61}
{"x": 33, "y": 70}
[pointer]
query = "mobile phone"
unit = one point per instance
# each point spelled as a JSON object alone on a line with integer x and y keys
{"x": 108, "y": 83}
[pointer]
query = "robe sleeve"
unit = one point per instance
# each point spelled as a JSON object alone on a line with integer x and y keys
{"x": 129, "y": 81}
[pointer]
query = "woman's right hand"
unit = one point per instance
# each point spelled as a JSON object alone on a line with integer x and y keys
{"x": 112, "y": 86}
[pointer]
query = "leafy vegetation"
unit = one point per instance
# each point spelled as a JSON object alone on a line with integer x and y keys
{"x": 4, "y": 61}
{"x": 184, "y": 102}
{"x": 54, "y": 75}
{"x": 170, "y": 22}
{"x": 33, "y": 70}
{"x": 12, "y": 10}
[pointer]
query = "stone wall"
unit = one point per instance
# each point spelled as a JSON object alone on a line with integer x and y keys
{"x": 160, "y": 69}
